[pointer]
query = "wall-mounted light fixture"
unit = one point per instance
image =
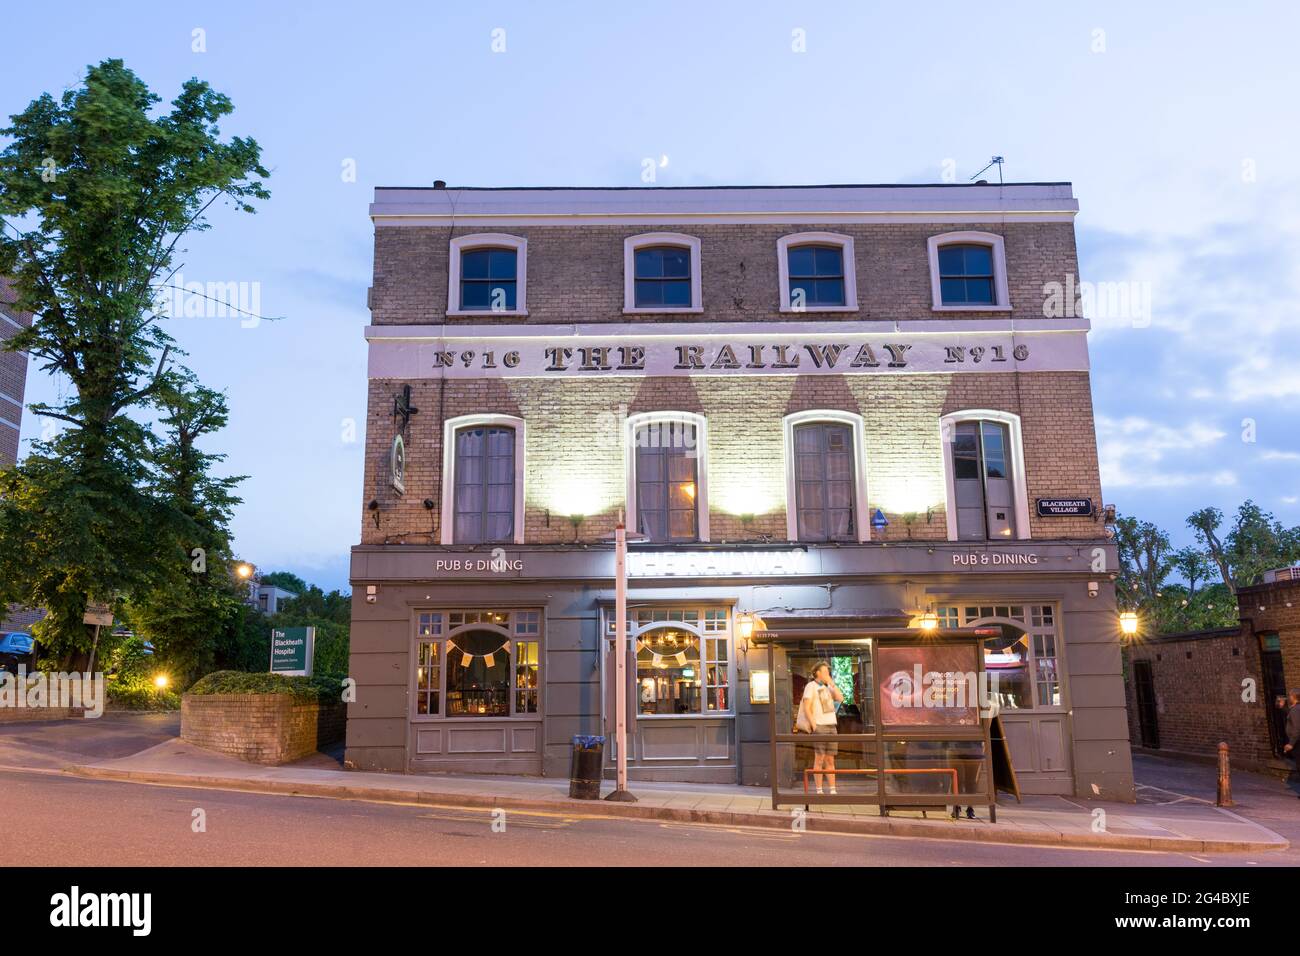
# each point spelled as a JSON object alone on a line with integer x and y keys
{"x": 576, "y": 521}
{"x": 747, "y": 625}
{"x": 929, "y": 621}
{"x": 1128, "y": 623}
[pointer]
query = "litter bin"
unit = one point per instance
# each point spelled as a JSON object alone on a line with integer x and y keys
{"x": 586, "y": 767}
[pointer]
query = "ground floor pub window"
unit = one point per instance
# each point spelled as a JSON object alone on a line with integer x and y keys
{"x": 1023, "y": 661}
{"x": 478, "y": 664}
{"x": 683, "y": 660}
{"x": 668, "y": 672}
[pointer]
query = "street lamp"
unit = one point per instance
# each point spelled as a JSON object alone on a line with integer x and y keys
{"x": 244, "y": 570}
{"x": 161, "y": 681}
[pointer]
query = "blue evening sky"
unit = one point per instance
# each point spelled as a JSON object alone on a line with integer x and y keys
{"x": 1175, "y": 122}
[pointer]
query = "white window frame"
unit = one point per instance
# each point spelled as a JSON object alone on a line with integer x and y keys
{"x": 862, "y": 517}
{"x": 1000, "y": 288}
{"x": 632, "y": 243}
{"x": 449, "y": 429}
{"x": 1032, "y": 631}
{"x": 845, "y": 244}
{"x": 488, "y": 240}
{"x": 947, "y": 426}
{"x": 635, "y": 630}
{"x": 701, "y": 464}
{"x": 438, "y": 639}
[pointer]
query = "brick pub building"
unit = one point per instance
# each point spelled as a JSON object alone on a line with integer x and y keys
{"x": 811, "y": 403}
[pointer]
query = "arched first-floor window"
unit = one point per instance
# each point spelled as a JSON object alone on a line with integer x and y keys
{"x": 668, "y": 476}
{"x": 483, "y": 480}
{"x": 825, "y": 475}
{"x": 985, "y": 476}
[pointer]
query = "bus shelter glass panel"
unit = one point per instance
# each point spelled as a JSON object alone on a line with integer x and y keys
{"x": 850, "y": 666}
{"x": 854, "y": 765}
{"x": 935, "y": 767}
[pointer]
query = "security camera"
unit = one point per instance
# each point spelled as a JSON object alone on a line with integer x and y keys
{"x": 372, "y": 592}
{"x": 1093, "y": 589}
{"x": 428, "y": 504}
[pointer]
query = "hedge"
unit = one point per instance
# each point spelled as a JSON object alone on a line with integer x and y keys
{"x": 322, "y": 687}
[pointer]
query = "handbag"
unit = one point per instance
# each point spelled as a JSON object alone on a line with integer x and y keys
{"x": 801, "y": 724}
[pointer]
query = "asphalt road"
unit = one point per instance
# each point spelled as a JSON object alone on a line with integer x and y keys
{"x": 71, "y": 821}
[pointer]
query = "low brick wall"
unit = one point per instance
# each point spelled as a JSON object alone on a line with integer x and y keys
{"x": 18, "y": 715}
{"x": 261, "y": 728}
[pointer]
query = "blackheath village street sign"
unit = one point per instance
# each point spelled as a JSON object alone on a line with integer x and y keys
{"x": 1064, "y": 507}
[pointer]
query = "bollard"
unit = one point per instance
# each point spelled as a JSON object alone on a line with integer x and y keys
{"x": 1224, "y": 797}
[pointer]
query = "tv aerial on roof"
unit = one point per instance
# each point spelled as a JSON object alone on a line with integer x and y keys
{"x": 995, "y": 161}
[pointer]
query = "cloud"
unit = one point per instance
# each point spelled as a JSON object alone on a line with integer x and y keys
{"x": 1225, "y": 307}
{"x": 1140, "y": 452}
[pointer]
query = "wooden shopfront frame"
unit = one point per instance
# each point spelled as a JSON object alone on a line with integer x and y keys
{"x": 825, "y": 640}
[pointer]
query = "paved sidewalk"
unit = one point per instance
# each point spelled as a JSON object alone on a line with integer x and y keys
{"x": 1189, "y": 826}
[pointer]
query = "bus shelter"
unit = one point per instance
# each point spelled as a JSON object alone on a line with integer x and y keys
{"x": 910, "y": 731}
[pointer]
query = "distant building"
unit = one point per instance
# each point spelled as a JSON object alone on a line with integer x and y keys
{"x": 13, "y": 375}
{"x": 13, "y": 384}
{"x": 1189, "y": 692}
{"x": 267, "y": 598}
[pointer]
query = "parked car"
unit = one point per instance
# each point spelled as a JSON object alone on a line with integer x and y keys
{"x": 17, "y": 648}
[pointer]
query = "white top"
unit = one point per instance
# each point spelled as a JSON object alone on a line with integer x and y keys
{"x": 823, "y": 706}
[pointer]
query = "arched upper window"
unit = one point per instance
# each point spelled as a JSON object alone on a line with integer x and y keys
{"x": 816, "y": 272}
{"x": 668, "y": 478}
{"x": 825, "y": 477}
{"x": 483, "y": 480}
{"x": 661, "y": 273}
{"x": 984, "y": 475}
{"x": 968, "y": 272}
{"x": 488, "y": 273}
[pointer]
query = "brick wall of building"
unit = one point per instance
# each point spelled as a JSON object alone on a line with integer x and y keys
{"x": 574, "y": 437}
{"x": 1275, "y": 608}
{"x": 260, "y": 728}
{"x": 574, "y": 454}
{"x": 575, "y": 274}
{"x": 1198, "y": 681}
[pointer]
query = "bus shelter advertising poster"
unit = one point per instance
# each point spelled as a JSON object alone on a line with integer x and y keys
{"x": 928, "y": 685}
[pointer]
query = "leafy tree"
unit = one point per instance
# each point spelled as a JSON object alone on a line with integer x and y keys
{"x": 284, "y": 579}
{"x": 196, "y": 595}
{"x": 1255, "y": 542}
{"x": 96, "y": 193}
{"x": 1145, "y": 559}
